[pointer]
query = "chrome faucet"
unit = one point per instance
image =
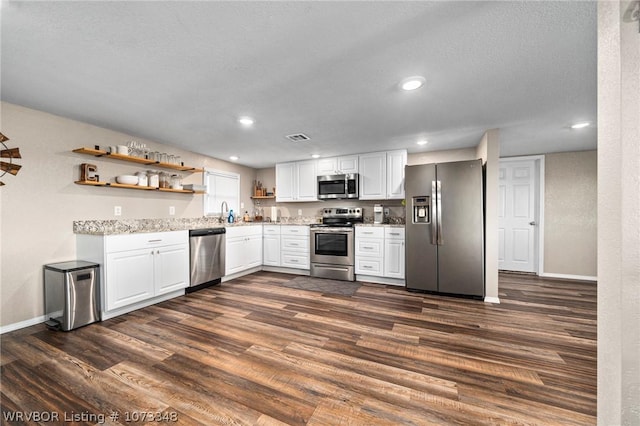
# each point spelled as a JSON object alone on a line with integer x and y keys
{"x": 224, "y": 208}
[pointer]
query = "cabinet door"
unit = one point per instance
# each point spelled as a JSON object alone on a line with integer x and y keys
{"x": 327, "y": 166}
{"x": 253, "y": 251}
{"x": 396, "y": 160}
{"x": 271, "y": 250}
{"x": 348, "y": 164}
{"x": 285, "y": 181}
{"x": 234, "y": 261}
{"x": 373, "y": 176}
{"x": 129, "y": 277}
{"x": 171, "y": 268}
{"x": 394, "y": 258}
{"x": 307, "y": 181}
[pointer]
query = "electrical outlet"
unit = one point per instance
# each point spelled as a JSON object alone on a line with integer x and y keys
{"x": 299, "y": 212}
{"x": 172, "y": 210}
{"x": 242, "y": 205}
{"x": 386, "y": 211}
{"x": 117, "y": 210}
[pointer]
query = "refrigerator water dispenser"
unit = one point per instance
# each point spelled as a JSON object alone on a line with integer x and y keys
{"x": 421, "y": 209}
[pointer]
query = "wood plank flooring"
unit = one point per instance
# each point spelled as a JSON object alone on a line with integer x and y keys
{"x": 253, "y": 352}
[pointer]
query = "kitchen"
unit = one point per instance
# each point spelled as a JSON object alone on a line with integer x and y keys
{"x": 43, "y": 201}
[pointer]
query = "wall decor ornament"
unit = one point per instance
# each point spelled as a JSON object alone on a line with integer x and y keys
{"x": 10, "y": 154}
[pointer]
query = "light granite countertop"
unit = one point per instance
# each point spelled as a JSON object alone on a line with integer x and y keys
{"x": 134, "y": 226}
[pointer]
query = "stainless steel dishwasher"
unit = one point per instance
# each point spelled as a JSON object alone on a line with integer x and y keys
{"x": 206, "y": 253}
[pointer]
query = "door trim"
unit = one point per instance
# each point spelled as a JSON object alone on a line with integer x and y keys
{"x": 538, "y": 161}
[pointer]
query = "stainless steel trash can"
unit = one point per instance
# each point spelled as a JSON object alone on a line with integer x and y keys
{"x": 72, "y": 294}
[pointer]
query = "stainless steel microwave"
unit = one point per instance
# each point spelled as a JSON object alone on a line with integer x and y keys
{"x": 337, "y": 187}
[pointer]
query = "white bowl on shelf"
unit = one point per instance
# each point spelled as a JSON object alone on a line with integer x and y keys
{"x": 127, "y": 179}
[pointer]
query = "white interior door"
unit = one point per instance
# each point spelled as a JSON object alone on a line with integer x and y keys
{"x": 517, "y": 226}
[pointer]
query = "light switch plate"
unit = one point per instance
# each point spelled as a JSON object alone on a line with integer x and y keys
{"x": 172, "y": 210}
{"x": 117, "y": 210}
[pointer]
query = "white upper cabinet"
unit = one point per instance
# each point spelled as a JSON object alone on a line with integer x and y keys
{"x": 296, "y": 181}
{"x": 382, "y": 175}
{"x": 338, "y": 165}
{"x": 373, "y": 176}
{"x": 285, "y": 173}
{"x": 396, "y": 160}
{"x": 306, "y": 176}
{"x": 327, "y": 166}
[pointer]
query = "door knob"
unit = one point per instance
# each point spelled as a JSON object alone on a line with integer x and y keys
{"x": 533, "y": 222}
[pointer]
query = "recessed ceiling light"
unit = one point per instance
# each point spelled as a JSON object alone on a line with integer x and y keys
{"x": 412, "y": 83}
{"x": 315, "y": 155}
{"x": 245, "y": 121}
{"x": 233, "y": 158}
{"x": 423, "y": 142}
{"x": 580, "y": 125}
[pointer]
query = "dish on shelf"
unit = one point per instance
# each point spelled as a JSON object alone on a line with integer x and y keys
{"x": 127, "y": 179}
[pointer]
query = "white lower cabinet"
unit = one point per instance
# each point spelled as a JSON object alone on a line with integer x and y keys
{"x": 379, "y": 251}
{"x": 243, "y": 248}
{"x": 271, "y": 245}
{"x": 394, "y": 253}
{"x": 369, "y": 251}
{"x": 137, "y": 269}
{"x": 294, "y": 246}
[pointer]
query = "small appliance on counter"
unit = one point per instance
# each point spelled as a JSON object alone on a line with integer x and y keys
{"x": 378, "y": 213}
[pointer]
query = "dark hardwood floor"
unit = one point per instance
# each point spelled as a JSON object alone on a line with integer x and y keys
{"x": 251, "y": 352}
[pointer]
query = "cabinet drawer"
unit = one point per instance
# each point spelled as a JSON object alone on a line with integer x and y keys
{"x": 369, "y": 247}
{"x": 243, "y": 231}
{"x": 394, "y": 233}
{"x": 295, "y": 261}
{"x": 116, "y": 243}
{"x": 369, "y": 232}
{"x": 302, "y": 231}
{"x": 295, "y": 244}
{"x": 271, "y": 229}
{"x": 369, "y": 266}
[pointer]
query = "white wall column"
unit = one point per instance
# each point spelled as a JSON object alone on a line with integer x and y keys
{"x": 618, "y": 215}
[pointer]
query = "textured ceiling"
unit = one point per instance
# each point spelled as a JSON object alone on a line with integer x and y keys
{"x": 181, "y": 73}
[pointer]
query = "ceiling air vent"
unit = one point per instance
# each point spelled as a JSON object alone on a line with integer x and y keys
{"x": 298, "y": 137}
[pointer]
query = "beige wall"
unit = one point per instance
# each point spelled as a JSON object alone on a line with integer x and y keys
{"x": 570, "y": 213}
{"x": 442, "y": 156}
{"x": 39, "y": 205}
{"x": 489, "y": 151}
{"x": 618, "y": 215}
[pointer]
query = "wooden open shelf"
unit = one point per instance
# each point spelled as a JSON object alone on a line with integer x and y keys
{"x": 140, "y": 188}
{"x": 263, "y": 197}
{"x": 137, "y": 160}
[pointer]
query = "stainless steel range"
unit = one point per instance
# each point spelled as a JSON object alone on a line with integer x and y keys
{"x": 332, "y": 246}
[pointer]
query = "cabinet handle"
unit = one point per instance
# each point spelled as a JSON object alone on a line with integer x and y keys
{"x": 367, "y": 248}
{"x": 367, "y": 233}
{"x": 294, "y": 244}
{"x": 394, "y": 233}
{"x": 367, "y": 267}
{"x": 293, "y": 230}
{"x": 294, "y": 260}
{"x": 155, "y": 241}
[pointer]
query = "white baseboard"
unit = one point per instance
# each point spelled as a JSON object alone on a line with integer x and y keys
{"x": 569, "y": 276}
{"x": 23, "y": 324}
{"x": 492, "y": 300}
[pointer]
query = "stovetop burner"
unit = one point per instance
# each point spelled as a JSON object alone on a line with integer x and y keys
{"x": 341, "y": 217}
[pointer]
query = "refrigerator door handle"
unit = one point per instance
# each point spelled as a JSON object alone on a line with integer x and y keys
{"x": 433, "y": 207}
{"x": 439, "y": 212}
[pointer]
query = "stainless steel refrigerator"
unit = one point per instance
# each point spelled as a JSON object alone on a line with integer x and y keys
{"x": 445, "y": 228}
